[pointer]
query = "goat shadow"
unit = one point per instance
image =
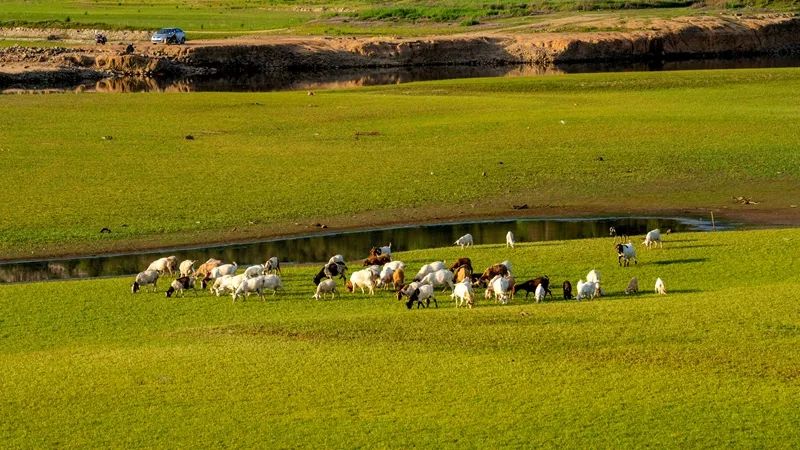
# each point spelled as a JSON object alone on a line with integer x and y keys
{"x": 680, "y": 261}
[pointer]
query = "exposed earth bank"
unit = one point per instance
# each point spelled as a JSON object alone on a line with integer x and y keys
{"x": 688, "y": 37}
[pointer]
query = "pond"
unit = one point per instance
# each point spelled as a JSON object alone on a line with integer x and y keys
{"x": 353, "y": 245}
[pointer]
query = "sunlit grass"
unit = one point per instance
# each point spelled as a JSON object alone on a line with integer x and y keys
{"x": 713, "y": 363}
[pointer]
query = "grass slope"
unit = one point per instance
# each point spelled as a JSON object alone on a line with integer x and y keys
{"x": 261, "y": 162}
{"x": 713, "y": 363}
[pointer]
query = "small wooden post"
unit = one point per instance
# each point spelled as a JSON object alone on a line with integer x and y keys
{"x": 713, "y": 225}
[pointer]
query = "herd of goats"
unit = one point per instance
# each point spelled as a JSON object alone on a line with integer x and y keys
{"x": 380, "y": 271}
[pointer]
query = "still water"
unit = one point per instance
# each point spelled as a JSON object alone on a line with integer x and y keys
{"x": 353, "y": 245}
{"x": 352, "y": 78}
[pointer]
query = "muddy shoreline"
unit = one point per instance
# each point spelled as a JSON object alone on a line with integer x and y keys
{"x": 678, "y": 39}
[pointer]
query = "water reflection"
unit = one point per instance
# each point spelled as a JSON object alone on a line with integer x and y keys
{"x": 353, "y": 245}
{"x": 350, "y": 78}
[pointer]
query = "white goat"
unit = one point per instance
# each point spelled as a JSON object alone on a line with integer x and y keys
{"x": 540, "y": 293}
{"x": 385, "y": 250}
{"x": 633, "y": 286}
{"x": 227, "y": 283}
{"x": 652, "y": 238}
{"x": 361, "y": 279}
{"x": 626, "y": 253}
{"x": 441, "y": 278}
{"x": 225, "y": 269}
{"x": 394, "y": 265}
{"x": 164, "y": 265}
{"x": 499, "y": 286}
{"x": 145, "y": 278}
{"x": 254, "y": 271}
{"x": 385, "y": 277}
{"x": 424, "y": 292}
{"x": 587, "y": 290}
{"x": 324, "y": 287}
{"x": 463, "y": 293}
{"x": 180, "y": 285}
{"x": 464, "y": 241}
{"x": 429, "y": 268}
{"x": 186, "y": 267}
{"x": 510, "y": 239}
{"x": 660, "y": 288}
{"x": 593, "y": 276}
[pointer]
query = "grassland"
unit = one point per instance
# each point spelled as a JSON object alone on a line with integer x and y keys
{"x": 713, "y": 363}
{"x": 411, "y": 17}
{"x": 261, "y": 164}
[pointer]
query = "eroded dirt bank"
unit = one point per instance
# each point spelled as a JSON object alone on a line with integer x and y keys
{"x": 690, "y": 37}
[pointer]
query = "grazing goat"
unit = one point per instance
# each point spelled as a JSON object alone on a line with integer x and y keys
{"x": 587, "y": 290}
{"x": 273, "y": 265}
{"x": 464, "y": 241}
{"x": 377, "y": 260}
{"x": 206, "y": 267}
{"x": 216, "y": 272}
{"x": 510, "y": 239}
{"x": 441, "y": 278}
{"x": 394, "y": 265}
{"x": 164, "y": 265}
{"x": 429, "y": 268}
{"x": 143, "y": 279}
{"x": 462, "y": 262}
{"x": 618, "y": 233}
{"x": 499, "y": 286}
{"x": 325, "y": 287}
{"x": 257, "y": 284}
{"x": 424, "y": 292}
{"x": 361, "y": 279}
{"x": 226, "y": 283}
{"x": 593, "y": 276}
{"x": 398, "y": 278}
{"x": 633, "y": 286}
{"x": 385, "y": 277}
{"x": 626, "y": 253}
{"x": 254, "y": 271}
{"x": 186, "y": 268}
{"x": 463, "y": 273}
{"x": 463, "y": 293}
{"x": 408, "y": 289}
{"x": 494, "y": 270}
{"x": 567, "y": 287}
{"x": 531, "y": 286}
{"x": 540, "y": 293}
{"x": 660, "y": 288}
{"x": 331, "y": 270}
{"x": 180, "y": 285}
{"x": 652, "y": 238}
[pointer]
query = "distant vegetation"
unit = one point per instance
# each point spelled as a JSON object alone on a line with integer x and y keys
{"x": 244, "y": 16}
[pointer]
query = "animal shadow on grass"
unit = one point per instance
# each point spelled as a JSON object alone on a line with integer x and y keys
{"x": 680, "y": 261}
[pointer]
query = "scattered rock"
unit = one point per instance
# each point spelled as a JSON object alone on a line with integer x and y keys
{"x": 523, "y": 206}
{"x": 108, "y": 138}
{"x": 599, "y": 158}
{"x": 324, "y": 226}
{"x": 484, "y": 173}
{"x": 105, "y": 230}
{"x": 189, "y": 137}
{"x": 310, "y": 93}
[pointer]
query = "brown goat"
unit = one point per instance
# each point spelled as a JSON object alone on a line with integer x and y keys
{"x": 398, "y": 279}
{"x": 377, "y": 260}
{"x": 206, "y": 268}
{"x": 462, "y": 273}
{"x": 492, "y": 271}
{"x": 462, "y": 262}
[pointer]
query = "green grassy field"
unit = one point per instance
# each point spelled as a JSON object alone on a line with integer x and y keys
{"x": 267, "y": 163}
{"x": 712, "y": 364}
{"x": 205, "y": 19}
